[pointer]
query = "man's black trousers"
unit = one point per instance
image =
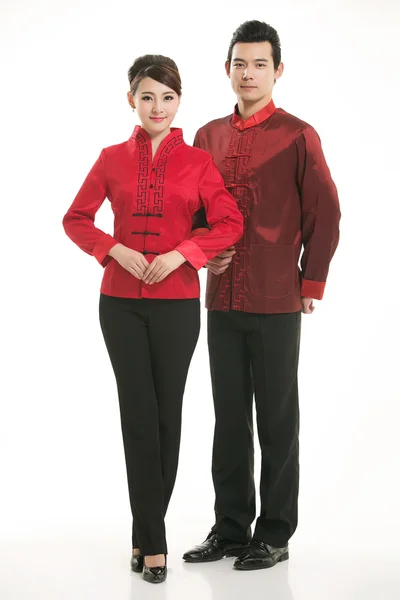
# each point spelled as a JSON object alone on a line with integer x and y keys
{"x": 254, "y": 354}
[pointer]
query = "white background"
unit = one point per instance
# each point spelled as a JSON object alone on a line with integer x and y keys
{"x": 64, "y": 512}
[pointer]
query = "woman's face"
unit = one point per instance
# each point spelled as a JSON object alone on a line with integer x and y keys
{"x": 156, "y": 105}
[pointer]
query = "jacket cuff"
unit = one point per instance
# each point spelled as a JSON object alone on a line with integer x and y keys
{"x": 193, "y": 254}
{"x": 312, "y": 289}
{"x": 198, "y": 231}
{"x": 103, "y": 247}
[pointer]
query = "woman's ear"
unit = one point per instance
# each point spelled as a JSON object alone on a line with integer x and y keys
{"x": 131, "y": 100}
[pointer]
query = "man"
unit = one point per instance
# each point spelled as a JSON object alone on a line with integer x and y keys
{"x": 273, "y": 164}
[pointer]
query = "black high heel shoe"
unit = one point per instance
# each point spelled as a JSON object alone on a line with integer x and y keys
{"x": 137, "y": 562}
{"x": 155, "y": 574}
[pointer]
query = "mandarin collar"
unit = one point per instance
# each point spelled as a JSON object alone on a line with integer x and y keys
{"x": 175, "y": 133}
{"x": 258, "y": 117}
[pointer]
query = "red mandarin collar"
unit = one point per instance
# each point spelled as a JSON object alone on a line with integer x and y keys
{"x": 256, "y": 119}
{"x": 175, "y": 132}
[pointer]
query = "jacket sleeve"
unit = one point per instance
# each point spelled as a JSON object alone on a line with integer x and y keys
{"x": 79, "y": 220}
{"x": 223, "y": 216}
{"x": 320, "y": 214}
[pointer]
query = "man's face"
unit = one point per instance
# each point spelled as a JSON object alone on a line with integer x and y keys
{"x": 252, "y": 72}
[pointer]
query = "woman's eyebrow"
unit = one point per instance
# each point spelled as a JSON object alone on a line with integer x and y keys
{"x": 152, "y": 93}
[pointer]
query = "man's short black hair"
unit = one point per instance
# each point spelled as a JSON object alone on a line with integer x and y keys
{"x": 257, "y": 31}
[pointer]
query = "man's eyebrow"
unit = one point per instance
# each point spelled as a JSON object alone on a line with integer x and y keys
{"x": 255, "y": 60}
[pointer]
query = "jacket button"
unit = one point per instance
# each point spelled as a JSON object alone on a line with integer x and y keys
{"x": 151, "y": 187}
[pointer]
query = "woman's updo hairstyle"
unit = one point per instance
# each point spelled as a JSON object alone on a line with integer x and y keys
{"x": 157, "y": 67}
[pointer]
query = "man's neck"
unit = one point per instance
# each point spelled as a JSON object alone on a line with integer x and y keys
{"x": 247, "y": 109}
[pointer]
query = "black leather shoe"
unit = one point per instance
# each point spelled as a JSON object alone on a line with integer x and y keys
{"x": 155, "y": 574}
{"x": 261, "y": 556}
{"x": 213, "y": 548}
{"x": 137, "y": 562}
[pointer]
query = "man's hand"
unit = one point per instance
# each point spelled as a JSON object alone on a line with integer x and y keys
{"x": 220, "y": 263}
{"x": 308, "y": 306}
{"x": 162, "y": 266}
{"x": 134, "y": 262}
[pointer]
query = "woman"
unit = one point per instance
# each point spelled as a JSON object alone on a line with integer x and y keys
{"x": 149, "y": 301}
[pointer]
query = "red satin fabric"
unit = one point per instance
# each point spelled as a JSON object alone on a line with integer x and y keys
{"x": 274, "y": 167}
{"x": 153, "y": 202}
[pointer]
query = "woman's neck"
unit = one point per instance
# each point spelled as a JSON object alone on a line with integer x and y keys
{"x": 157, "y": 139}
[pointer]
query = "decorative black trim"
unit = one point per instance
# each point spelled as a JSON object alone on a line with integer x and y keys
{"x": 145, "y": 215}
{"x": 152, "y": 201}
{"x": 144, "y": 233}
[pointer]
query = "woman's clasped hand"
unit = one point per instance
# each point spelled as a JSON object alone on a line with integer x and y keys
{"x": 136, "y": 264}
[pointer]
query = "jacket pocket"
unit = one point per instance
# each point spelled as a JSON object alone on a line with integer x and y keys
{"x": 271, "y": 270}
